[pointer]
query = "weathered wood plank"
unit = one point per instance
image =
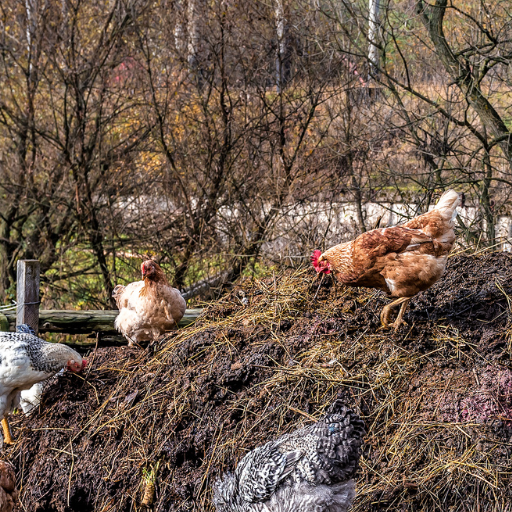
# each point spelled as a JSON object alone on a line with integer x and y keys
{"x": 85, "y": 322}
{"x": 27, "y": 293}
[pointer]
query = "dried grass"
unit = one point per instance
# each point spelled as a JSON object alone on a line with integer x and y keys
{"x": 246, "y": 373}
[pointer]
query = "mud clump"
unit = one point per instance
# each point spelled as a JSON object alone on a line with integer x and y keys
{"x": 269, "y": 357}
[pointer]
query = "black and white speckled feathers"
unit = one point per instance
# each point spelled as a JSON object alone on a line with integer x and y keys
{"x": 309, "y": 470}
{"x": 43, "y": 356}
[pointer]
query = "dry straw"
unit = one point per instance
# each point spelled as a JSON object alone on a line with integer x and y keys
{"x": 252, "y": 369}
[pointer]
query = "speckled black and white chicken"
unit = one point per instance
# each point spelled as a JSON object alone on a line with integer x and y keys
{"x": 26, "y": 360}
{"x": 309, "y": 470}
{"x": 31, "y": 398}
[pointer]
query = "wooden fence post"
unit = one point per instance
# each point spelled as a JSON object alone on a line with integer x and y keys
{"x": 4, "y": 323}
{"x": 27, "y": 293}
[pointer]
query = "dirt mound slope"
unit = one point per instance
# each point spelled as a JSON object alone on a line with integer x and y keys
{"x": 269, "y": 357}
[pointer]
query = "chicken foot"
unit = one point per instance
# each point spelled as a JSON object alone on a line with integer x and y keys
{"x": 7, "y": 432}
{"x": 386, "y": 313}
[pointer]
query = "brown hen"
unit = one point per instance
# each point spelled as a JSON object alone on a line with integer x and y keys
{"x": 401, "y": 260}
{"x": 8, "y": 492}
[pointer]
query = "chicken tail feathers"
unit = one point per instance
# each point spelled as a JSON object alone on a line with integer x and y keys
{"x": 449, "y": 201}
{"x": 24, "y": 328}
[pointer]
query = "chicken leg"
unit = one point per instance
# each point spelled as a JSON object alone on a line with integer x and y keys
{"x": 386, "y": 312}
{"x": 7, "y": 432}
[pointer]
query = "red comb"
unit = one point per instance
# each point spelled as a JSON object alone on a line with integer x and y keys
{"x": 84, "y": 363}
{"x": 314, "y": 259}
{"x": 322, "y": 266}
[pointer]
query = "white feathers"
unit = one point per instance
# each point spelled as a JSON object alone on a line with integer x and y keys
{"x": 448, "y": 204}
{"x": 391, "y": 285}
{"x": 144, "y": 315}
{"x": 31, "y": 398}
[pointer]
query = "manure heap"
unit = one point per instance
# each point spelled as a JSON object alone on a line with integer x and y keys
{"x": 436, "y": 398}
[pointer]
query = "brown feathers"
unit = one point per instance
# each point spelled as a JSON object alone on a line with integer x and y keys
{"x": 152, "y": 275}
{"x": 401, "y": 260}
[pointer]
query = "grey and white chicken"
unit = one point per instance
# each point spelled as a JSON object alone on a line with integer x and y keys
{"x": 26, "y": 360}
{"x": 309, "y": 470}
{"x": 31, "y": 398}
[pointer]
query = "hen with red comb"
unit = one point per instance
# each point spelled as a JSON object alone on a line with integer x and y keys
{"x": 322, "y": 266}
{"x": 400, "y": 260}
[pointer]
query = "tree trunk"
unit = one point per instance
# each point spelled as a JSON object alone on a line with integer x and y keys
{"x": 486, "y": 203}
{"x": 180, "y": 30}
{"x": 282, "y": 60}
{"x": 193, "y": 36}
{"x": 373, "y": 39}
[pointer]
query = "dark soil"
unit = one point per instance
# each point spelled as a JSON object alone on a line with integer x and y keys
{"x": 436, "y": 397}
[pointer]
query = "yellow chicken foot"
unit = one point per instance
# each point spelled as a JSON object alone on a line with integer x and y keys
{"x": 399, "y": 320}
{"x": 386, "y": 313}
{"x": 7, "y": 432}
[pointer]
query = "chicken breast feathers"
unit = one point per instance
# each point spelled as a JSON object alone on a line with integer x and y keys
{"x": 147, "y": 309}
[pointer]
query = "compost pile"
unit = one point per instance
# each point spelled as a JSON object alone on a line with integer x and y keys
{"x": 272, "y": 355}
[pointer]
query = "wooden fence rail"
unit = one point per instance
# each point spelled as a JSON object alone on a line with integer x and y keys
{"x": 85, "y": 322}
{"x": 64, "y": 321}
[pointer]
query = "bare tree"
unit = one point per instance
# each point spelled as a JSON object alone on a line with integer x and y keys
{"x": 373, "y": 38}
{"x": 445, "y": 90}
{"x": 218, "y": 137}
{"x": 64, "y": 119}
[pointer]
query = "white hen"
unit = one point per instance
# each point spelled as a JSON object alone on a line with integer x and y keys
{"x": 148, "y": 308}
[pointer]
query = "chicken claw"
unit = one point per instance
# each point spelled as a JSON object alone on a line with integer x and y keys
{"x": 386, "y": 313}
